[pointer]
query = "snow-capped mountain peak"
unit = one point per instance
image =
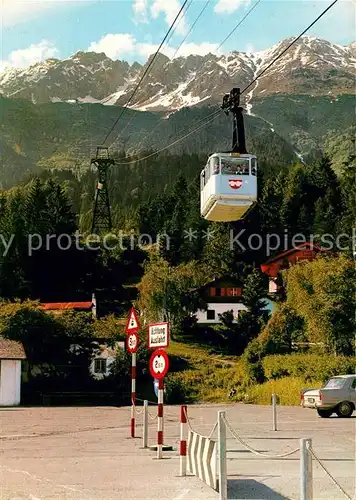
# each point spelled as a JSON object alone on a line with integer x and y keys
{"x": 310, "y": 66}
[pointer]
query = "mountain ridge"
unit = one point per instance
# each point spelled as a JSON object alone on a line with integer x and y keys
{"x": 312, "y": 66}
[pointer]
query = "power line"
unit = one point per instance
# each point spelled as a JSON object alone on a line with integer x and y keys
{"x": 244, "y": 90}
{"x": 289, "y": 46}
{"x": 133, "y": 116}
{"x": 180, "y": 20}
{"x": 196, "y": 122}
{"x": 239, "y": 24}
{"x": 145, "y": 72}
{"x": 166, "y": 64}
{"x": 191, "y": 29}
{"x": 212, "y": 117}
{"x": 219, "y": 47}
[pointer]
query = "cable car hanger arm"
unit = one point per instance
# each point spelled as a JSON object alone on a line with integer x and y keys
{"x": 231, "y": 104}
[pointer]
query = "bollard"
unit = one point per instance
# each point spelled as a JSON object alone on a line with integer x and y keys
{"x": 145, "y": 424}
{"x": 183, "y": 441}
{"x": 306, "y": 470}
{"x": 160, "y": 419}
{"x": 222, "y": 456}
{"x": 274, "y": 411}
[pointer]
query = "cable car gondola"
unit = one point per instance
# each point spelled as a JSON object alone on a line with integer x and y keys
{"x": 228, "y": 183}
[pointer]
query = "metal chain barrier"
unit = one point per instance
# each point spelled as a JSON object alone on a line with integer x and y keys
{"x": 213, "y": 430}
{"x": 188, "y": 421}
{"x": 312, "y": 452}
{"x": 152, "y": 417}
{"x": 138, "y": 412}
{"x": 255, "y": 452}
{"x": 191, "y": 428}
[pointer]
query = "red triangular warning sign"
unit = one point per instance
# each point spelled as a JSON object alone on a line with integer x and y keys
{"x": 133, "y": 323}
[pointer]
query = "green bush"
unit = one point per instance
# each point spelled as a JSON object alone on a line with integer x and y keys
{"x": 253, "y": 357}
{"x": 307, "y": 366}
{"x": 177, "y": 390}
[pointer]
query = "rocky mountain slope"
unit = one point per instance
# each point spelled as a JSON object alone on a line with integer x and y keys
{"x": 311, "y": 67}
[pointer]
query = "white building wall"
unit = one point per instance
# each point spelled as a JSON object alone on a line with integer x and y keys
{"x": 10, "y": 382}
{"x": 99, "y": 376}
{"x": 219, "y": 309}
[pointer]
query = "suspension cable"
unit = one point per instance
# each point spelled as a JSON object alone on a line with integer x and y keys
{"x": 244, "y": 90}
{"x": 163, "y": 68}
{"x": 213, "y": 116}
{"x": 133, "y": 116}
{"x": 191, "y": 29}
{"x": 199, "y": 68}
{"x": 239, "y": 23}
{"x": 145, "y": 72}
{"x": 289, "y": 46}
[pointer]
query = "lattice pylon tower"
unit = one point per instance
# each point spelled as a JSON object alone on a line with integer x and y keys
{"x": 101, "y": 222}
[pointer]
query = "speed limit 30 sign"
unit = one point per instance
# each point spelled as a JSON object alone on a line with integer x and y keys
{"x": 132, "y": 342}
{"x": 159, "y": 364}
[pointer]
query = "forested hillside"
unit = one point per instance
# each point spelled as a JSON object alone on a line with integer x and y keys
{"x": 64, "y": 136}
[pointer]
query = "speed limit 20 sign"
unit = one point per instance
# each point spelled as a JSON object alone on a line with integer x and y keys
{"x": 132, "y": 342}
{"x": 159, "y": 364}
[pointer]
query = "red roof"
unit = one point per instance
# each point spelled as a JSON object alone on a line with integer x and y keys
{"x": 302, "y": 246}
{"x": 304, "y": 251}
{"x": 51, "y": 306}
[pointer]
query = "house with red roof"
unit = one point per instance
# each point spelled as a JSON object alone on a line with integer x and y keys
{"x": 103, "y": 355}
{"x": 304, "y": 251}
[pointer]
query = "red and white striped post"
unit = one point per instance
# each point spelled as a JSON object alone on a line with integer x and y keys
{"x": 133, "y": 394}
{"x": 183, "y": 441}
{"x": 160, "y": 418}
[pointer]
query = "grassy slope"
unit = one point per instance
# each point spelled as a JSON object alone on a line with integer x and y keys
{"x": 211, "y": 377}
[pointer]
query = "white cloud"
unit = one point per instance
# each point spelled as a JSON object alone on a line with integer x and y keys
{"x": 200, "y": 49}
{"x": 33, "y": 54}
{"x": 140, "y": 10}
{"x": 229, "y": 6}
{"x": 170, "y": 9}
{"x": 117, "y": 46}
{"x": 17, "y": 11}
{"x": 114, "y": 46}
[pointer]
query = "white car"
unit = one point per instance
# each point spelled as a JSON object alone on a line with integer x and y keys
{"x": 338, "y": 396}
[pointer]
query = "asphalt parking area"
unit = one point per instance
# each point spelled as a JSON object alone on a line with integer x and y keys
{"x": 83, "y": 453}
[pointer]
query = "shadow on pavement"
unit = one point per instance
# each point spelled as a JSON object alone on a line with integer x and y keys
{"x": 238, "y": 489}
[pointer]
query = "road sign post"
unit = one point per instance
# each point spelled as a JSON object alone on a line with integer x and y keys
{"x": 133, "y": 394}
{"x": 159, "y": 365}
{"x": 132, "y": 327}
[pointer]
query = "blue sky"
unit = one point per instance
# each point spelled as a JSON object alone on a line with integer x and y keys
{"x": 131, "y": 30}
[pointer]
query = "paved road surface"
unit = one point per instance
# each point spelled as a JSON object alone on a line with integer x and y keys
{"x": 86, "y": 454}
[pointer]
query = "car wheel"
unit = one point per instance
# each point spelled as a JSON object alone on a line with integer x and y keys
{"x": 344, "y": 409}
{"x": 324, "y": 413}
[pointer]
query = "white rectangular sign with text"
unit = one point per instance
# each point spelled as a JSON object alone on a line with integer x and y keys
{"x": 158, "y": 335}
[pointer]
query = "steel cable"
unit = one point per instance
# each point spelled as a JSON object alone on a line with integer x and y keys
{"x": 255, "y": 452}
{"x": 244, "y": 90}
{"x": 173, "y": 143}
{"x": 312, "y": 452}
{"x": 200, "y": 67}
{"x": 145, "y": 72}
{"x": 289, "y": 46}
